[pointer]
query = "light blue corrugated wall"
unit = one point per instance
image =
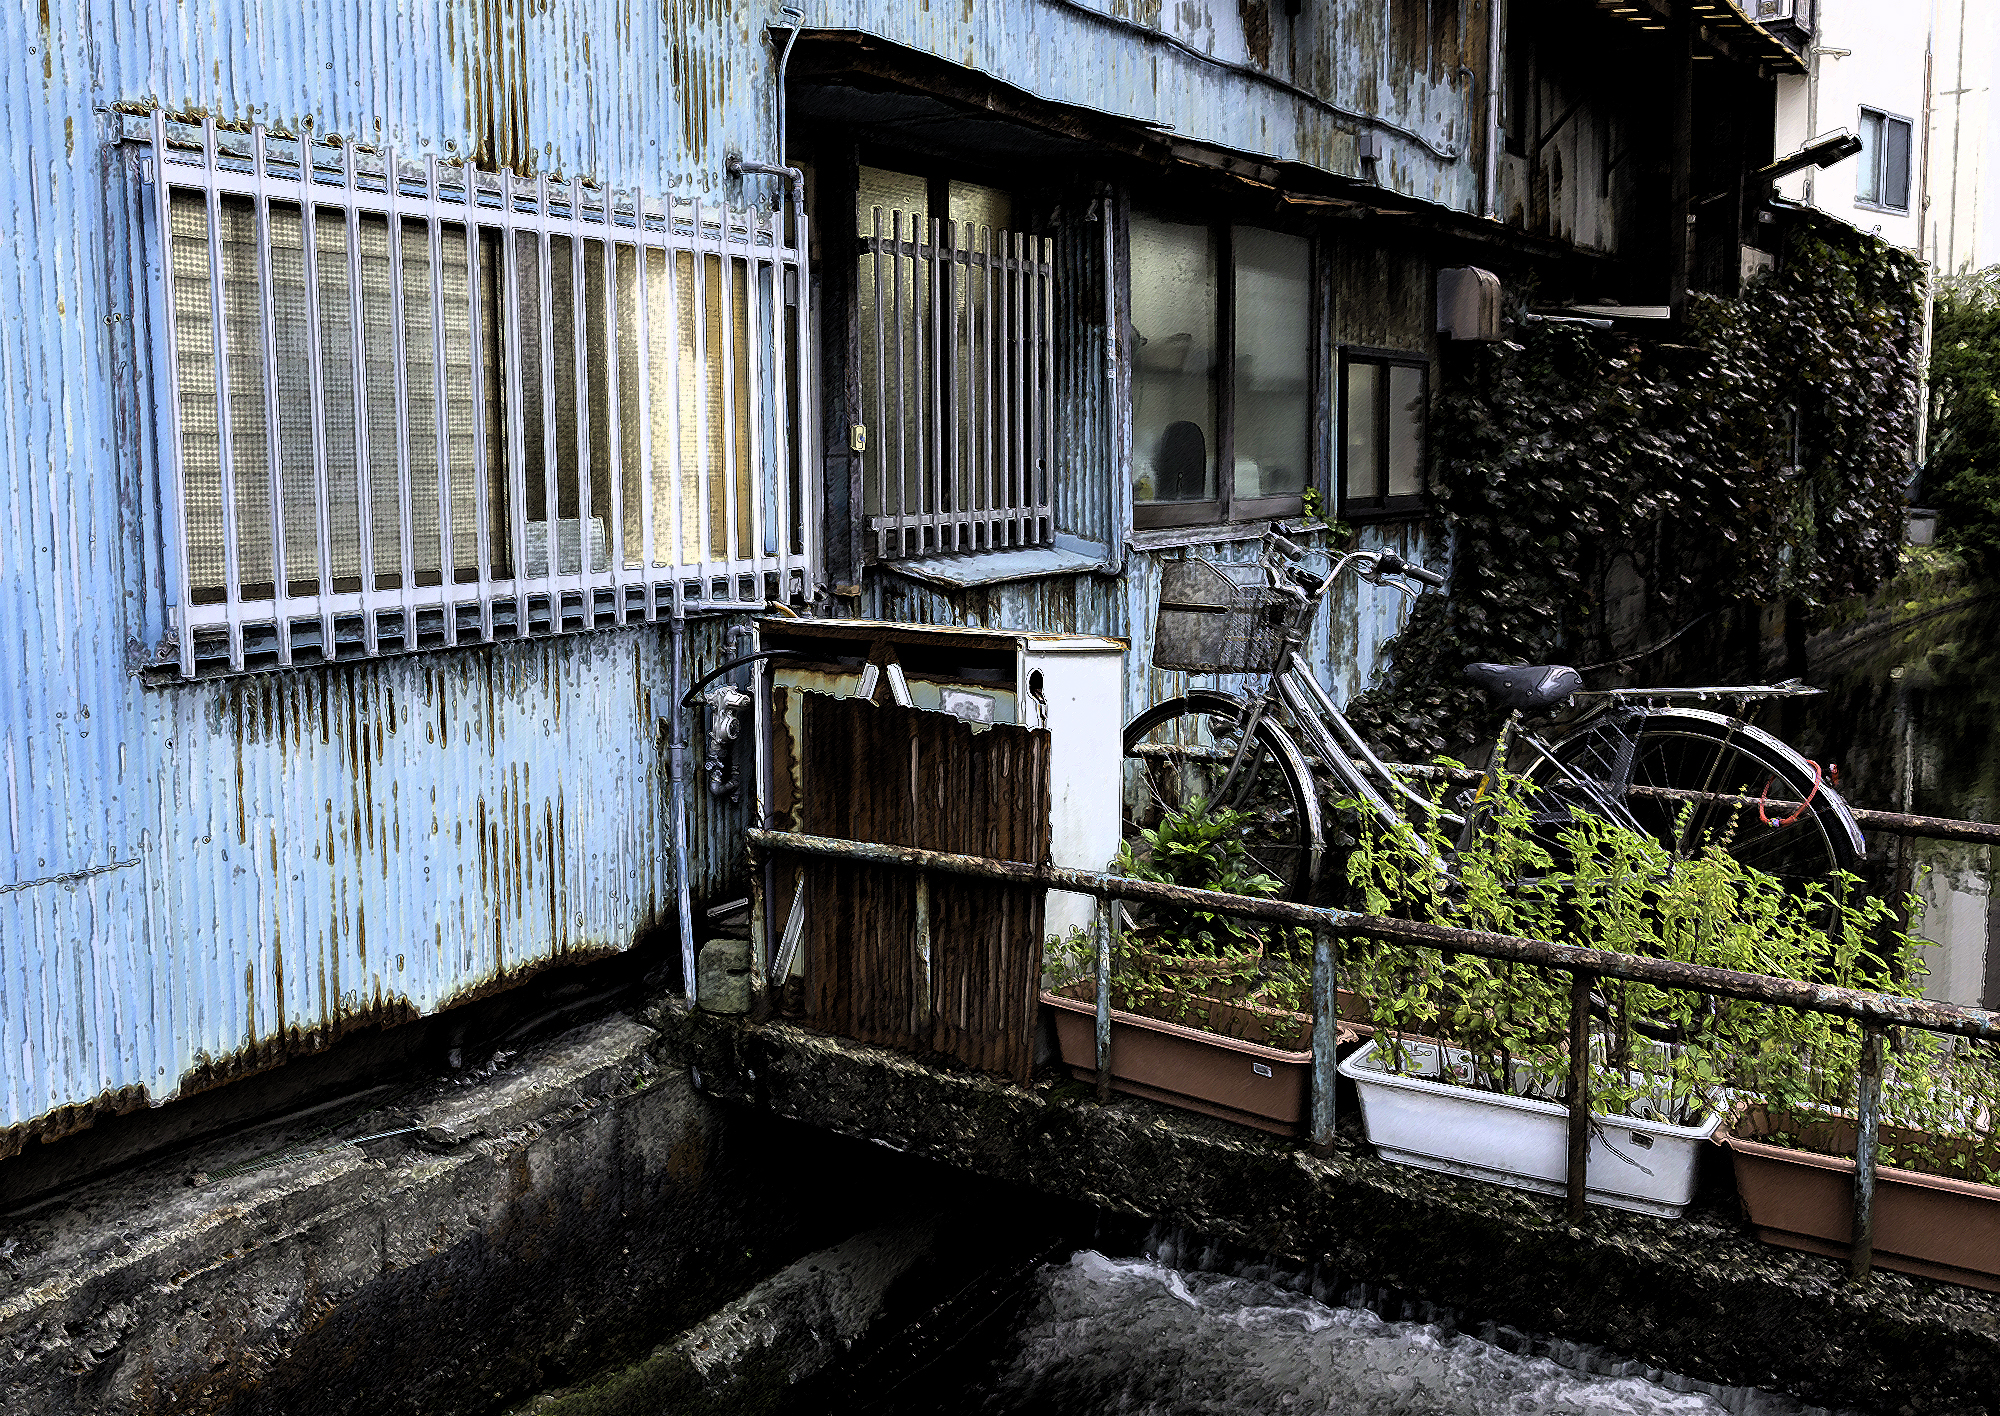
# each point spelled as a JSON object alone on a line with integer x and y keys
{"x": 199, "y": 879}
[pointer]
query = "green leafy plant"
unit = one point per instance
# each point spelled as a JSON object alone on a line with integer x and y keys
{"x": 1198, "y": 848}
{"x": 1667, "y": 1053}
{"x": 1962, "y": 472}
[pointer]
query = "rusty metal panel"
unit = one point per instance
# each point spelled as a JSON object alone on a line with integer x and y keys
{"x": 1233, "y": 74}
{"x": 941, "y": 965}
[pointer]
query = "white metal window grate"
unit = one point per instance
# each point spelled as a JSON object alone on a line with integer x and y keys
{"x": 957, "y": 381}
{"x": 462, "y": 406}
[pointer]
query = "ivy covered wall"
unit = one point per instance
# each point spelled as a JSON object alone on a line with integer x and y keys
{"x": 1605, "y": 492}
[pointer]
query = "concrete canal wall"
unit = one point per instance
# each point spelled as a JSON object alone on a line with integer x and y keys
{"x": 666, "y": 1211}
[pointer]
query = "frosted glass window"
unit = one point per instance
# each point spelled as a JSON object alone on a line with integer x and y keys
{"x": 1273, "y": 362}
{"x": 1384, "y": 419}
{"x": 1173, "y": 361}
{"x": 1362, "y": 455}
{"x": 1406, "y": 431}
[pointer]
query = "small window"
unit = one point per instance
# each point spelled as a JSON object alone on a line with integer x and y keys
{"x": 1222, "y": 372}
{"x": 1883, "y": 177}
{"x": 956, "y": 311}
{"x": 1384, "y": 417}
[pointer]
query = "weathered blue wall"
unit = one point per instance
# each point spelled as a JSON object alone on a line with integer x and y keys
{"x": 197, "y": 878}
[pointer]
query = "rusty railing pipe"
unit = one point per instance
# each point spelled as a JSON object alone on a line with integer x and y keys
{"x": 1880, "y": 1009}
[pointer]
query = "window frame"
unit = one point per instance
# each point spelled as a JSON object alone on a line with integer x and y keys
{"x": 242, "y": 630}
{"x": 1878, "y": 154}
{"x": 1225, "y": 508}
{"x": 1381, "y": 506}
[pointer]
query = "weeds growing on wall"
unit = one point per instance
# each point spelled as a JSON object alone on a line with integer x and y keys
{"x": 1762, "y": 457}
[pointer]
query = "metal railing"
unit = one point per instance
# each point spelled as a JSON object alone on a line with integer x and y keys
{"x": 409, "y": 403}
{"x": 1875, "y": 1012}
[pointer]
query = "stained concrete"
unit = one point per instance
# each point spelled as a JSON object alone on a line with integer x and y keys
{"x": 1700, "y": 1296}
{"x": 532, "y": 1221}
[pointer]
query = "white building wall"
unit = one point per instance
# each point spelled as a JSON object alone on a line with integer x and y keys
{"x": 1964, "y": 222}
{"x": 1866, "y": 53}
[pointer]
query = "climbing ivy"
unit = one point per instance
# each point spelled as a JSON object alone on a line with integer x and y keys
{"x": 1762, "y": 457}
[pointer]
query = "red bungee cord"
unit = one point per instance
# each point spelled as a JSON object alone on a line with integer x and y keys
{"x": 1766, "y": 796}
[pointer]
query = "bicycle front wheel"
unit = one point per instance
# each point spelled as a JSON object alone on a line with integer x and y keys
{"x": 1694, "y": 779}
{"x": 1180, "y": 751}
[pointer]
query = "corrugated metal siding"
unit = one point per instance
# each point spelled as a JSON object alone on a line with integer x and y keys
{"x": 1357, "y": 54}
{"x": 199, "y": 878}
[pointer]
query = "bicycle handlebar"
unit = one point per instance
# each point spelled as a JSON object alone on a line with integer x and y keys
{"x": 1387, "y": 564}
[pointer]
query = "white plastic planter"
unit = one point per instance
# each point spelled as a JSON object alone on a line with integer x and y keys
{"x": 1634, "y": 1164}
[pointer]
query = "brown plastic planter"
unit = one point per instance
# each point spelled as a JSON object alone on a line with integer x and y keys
{"x": 1238, "y": 1080}
{"x": 1924, "y": 1224}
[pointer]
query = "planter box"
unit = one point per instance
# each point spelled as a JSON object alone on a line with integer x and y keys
{"x": 1633, "y": 1164}
{"x": 1217, "y": 1075}
{"x": 1924, "y": 1224}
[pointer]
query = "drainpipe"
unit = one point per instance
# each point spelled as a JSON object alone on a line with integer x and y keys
{"x": 1489, "y": 175}
{"x": 677, "y": 769}
{"x": 797, "y": 179}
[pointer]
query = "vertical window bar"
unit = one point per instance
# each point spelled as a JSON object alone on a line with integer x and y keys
{"x": 902, "y": 391}
{"x": 1009, "y": 395}
{"x": 551, "y": 461}
{"x": 944, "y": 506}
{"x": 517, "y": 428}
{"x": 1024, "y": 386}
{"x": 1047, "y": 487}
{"x": 809, "y": 471}
{"x": 441, "y": 404}
{"x": 676, "y": 509}
{"x": 725, "y": 369}
{"x": 364, "y": 475}
{"x": 393, "y": 182}
{"x": 615, "y": 553}
{"x": 881, "y": 400}
{"x": 163, "y": 198}
{"x": 579, "y": 313}
{"x": 323, "y": 512}
{"x": 643, "y": 344}
{"x": 281, "y": 588}
{"x": 781, "y": 403}
{"x": 705, "y": 406}
{"x": 481, "y": 472}
{"x": 996, "y": 481}
{"x": 751, "y": 484}
{"x": 232, "y": 589}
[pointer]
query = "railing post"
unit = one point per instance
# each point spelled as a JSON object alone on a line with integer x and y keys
{"x": 1861, "y": 1253}
{"x": 1107, "y": 923}
{"x": 1579, "y": 1089}
{"x": 1325, "y": 1036}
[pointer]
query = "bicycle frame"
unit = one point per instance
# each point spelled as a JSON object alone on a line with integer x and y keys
{"x": 1371, "y": 781}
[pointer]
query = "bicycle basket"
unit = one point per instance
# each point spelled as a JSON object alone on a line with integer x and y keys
{"x": 1211, "y": 619}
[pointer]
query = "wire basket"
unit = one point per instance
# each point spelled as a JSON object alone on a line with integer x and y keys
{"x": 1212, "y": 619}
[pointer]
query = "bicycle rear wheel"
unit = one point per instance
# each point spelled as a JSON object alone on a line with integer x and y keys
{"x": 1694, "y": 779}
{"x": 1179, "y": 751}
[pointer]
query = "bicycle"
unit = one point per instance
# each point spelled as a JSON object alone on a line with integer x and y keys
{"x": 1639, "y": 757}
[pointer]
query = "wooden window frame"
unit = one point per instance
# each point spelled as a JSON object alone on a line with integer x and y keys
{"x": 1380, "y": 506}
{"x": 1225, "y": 507}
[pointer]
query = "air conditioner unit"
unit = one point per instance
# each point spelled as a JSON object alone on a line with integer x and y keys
{"x": 1070, "y": 684}
{"x": 1763, "y": 10}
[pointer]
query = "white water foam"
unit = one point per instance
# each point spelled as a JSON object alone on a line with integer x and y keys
{"x": 1138, "y": 1338}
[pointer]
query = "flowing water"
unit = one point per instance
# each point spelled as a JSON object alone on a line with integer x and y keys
{"x": 1155, "y": 1335}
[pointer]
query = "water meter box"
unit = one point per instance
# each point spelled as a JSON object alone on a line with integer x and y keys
{"x": 1070, "y": 684}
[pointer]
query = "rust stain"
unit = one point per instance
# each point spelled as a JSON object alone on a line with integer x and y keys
{"x": 1256, "y": 30}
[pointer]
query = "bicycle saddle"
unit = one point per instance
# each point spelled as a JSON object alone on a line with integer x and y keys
{"x": 1527, "y": 687}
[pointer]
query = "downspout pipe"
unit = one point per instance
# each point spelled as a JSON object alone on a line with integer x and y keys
{"x": 1489, "y": 172}
{"x": 737, "y": 166}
